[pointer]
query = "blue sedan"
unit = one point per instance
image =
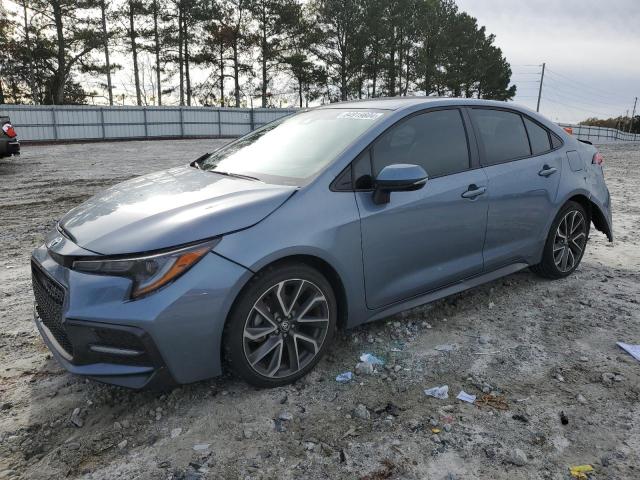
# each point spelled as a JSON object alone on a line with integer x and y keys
{"x": 336, "y": 216}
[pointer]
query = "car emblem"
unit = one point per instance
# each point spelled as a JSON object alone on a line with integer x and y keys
{"x": 54, "y": 242}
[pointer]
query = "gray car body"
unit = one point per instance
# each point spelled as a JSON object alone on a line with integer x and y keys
{"x": 380, "y": 259}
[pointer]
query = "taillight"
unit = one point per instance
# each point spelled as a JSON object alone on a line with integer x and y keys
{"x": 569, "y": 130}
{"x": 9, "y": 130}
{"x": 598, "y": 159}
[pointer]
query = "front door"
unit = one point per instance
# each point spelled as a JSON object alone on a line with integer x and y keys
{"x": 429, "y": 238}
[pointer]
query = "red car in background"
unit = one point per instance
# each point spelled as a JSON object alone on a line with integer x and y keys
{"x": 9, "y": 144}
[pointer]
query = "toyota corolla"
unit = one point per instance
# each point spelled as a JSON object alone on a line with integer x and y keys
{"x": 255, "y": 254}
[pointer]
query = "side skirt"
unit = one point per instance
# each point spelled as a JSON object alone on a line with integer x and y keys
{"x": 449, "y": 290}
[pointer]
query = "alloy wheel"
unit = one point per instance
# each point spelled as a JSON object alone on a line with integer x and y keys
{"x": 286, "y": 328}
{"x": 569, "y": 241}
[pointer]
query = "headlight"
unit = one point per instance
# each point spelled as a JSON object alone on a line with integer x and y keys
{"x": 148, "y": 272}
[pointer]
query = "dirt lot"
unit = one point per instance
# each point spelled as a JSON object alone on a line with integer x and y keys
{"x": 545, "y": 347}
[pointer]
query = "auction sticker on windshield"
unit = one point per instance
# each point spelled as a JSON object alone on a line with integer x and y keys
{"x": 360, "y": 115}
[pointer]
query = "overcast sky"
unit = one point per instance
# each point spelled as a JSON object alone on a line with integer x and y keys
{"x": 591, "y": 48}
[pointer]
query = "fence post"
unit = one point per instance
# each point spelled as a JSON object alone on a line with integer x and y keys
{"x": 181, "y": 122}
{"x": 219, "y": 122}
{"x": 146, "y": 128}
{"x": 104, "y": 133}
{"x": 251, "y": 120}
{"x": 55, "y": 123}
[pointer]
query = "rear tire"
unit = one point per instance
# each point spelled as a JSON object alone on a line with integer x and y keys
{"x": 280, "y": 325}
{"x": 566, "y": 242}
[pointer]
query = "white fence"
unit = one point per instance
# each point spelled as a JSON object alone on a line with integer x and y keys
{"x": 65, "y": 123}
{"x": 601, "y": 134}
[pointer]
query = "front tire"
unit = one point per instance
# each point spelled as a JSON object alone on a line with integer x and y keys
{"x": 280, "y": 325}
{"x": 566, "y": 242}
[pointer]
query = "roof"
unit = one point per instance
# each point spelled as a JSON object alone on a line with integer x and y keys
{"x": 398, "y": 103}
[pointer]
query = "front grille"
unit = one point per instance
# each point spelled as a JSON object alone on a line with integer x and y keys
{"x": 49, "y": 301}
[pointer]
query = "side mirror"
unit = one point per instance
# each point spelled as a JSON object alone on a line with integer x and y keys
{"x": 399, "y": 177}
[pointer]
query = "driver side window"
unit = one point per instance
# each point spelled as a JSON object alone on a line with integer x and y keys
{"x": 437, "y": 141}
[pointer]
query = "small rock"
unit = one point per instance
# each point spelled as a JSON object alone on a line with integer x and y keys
{"x": 123, "y": 444}
{"x": 76, "y": 419}
{"x": 286, "y": 416}
{"x": 309, "y": 445}
{"x": 580, "y": 398}
{"x": 247, "y": 433}
{"x": 559, "y": 377}
{"x": 584, "y": 359}
{"x": 176, "y": 432}
{"x": 491, "y": 304}
{"x": 6, "y": 406}
{"x": 607, "y": 378}
{"x": 361, "y": 412}
{"x": 364, "y": 368}
{"x": 201, "y": 447}
{"x": 517, "y": 457}
{"x": 483, "y": 340}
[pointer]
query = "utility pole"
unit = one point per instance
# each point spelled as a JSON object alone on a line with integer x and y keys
{"x": 633, "y": 114}
{"x": 540, "y": 89}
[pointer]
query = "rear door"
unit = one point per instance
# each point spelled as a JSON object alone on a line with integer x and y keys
{"x": 425, "y": 239}
{"x": 523, "y": 171}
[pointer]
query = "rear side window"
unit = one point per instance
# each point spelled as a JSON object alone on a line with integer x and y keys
{"x": 555, "y": 141}
{"x": 437, "y": 141}
{"x": 538, "y": 137}
{"x": 502, "y": 135}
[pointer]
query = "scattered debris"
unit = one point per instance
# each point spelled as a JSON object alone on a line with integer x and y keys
{"x": 345, "y": 377}
{"x": 441, "y": 393}
{"x": 361, "y": 412}
{"x": 465, "y": 397}
{"x": 372, "y": 359}
{"x": 446, "y": 347}
{"x": 633, "y": 350}
{"x": 494, "y": 401}
{"x": 175, "y": 433}
{"x": 580, "y": 471}
{"x": 521, "y": 417}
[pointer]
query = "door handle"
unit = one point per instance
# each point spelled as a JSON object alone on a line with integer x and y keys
{"x": 474, "y": 191}
{"x": 547, "y": 170}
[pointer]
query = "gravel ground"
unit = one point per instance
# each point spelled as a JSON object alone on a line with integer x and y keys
{"x": 539, "y": 347}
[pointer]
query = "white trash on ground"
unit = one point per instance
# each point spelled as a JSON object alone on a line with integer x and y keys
{"x": 633, "y": 350}
{"x": 372, "y": 359}
{"x": 344, "y": 377}
{"x": 441, "y": 393}
{"x": 466, "y": 397}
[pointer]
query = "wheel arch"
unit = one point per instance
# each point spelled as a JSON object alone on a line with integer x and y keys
{"x": 596, "y": 216}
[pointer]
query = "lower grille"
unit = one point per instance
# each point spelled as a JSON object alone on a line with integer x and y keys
{"x": 49, "y": 301}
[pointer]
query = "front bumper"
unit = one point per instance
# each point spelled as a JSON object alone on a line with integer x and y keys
{"x": 172, "y": 336}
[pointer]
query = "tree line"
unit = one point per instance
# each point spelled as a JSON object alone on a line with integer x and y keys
{"x": 228, "y": 52}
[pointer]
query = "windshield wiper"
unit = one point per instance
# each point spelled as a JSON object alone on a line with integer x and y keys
{"x": 237, "y": 175}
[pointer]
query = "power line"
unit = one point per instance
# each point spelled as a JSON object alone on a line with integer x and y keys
{"x": 584, "y": 85}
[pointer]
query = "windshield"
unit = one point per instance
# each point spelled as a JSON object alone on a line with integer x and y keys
{"x": 291, "y": 150}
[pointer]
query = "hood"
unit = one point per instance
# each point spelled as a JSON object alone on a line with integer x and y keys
{"x": 169, "y": 208}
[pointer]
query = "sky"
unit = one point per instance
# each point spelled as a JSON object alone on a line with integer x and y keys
{"x": 591, "y": 49}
